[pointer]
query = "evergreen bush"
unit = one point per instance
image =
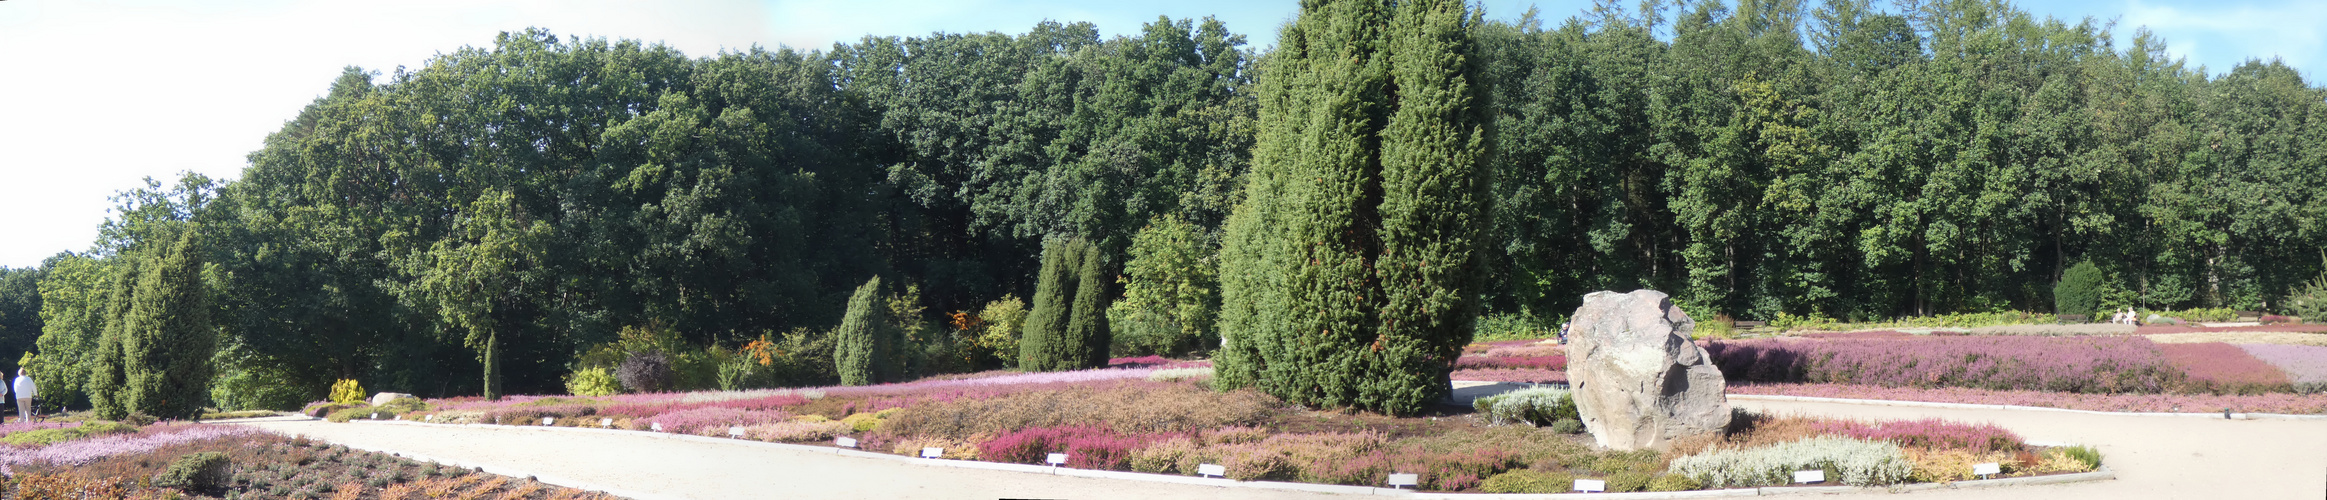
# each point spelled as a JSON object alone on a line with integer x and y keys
{"x": 347, "y": 392}
{"x": 1067, "y": 330}
{"x": 206, "y": 473}
{"x": 2079, "y": 290}
{"x": 106, "y": 377}
{"x": 861, "y": 351}
{"x": 1171, "y": 293}
{"x": 593, "y": 382}
{"x": 167, "y": 341}
{"x": 2310, "y": 300}
{"x": 1351, "y": 272}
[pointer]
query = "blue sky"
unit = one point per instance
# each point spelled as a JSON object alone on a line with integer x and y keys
{"x": 98, "y": 94}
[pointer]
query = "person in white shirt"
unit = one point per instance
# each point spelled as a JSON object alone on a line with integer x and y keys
{"x": 24, "y": 393}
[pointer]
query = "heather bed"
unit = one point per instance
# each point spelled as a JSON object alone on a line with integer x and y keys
{"x": 2076, "y": 365}
{"x": 2287, "y": 403}
{"x": 1137, "y": 418}
{"x": 183, "y": 460}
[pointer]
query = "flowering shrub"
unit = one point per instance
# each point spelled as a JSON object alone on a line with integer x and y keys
{"x": 1855, "y": 462}
{"x": 798, "y": 431}
{"x": 2305, "y": 366}
{"x": 1928, "y": 434}
{"x": 711, "y": 421}
{"x": 81, "y": 452}
{"x": 1516, "y": 375}
{"x": 1548, "y": 362}
{"x": 2082, "y": 364}
{"x": 2225, "y": 369}
{"x": 1087, "y": 447}
{"x": 2192, "y": 403}
{"x": 1178, "y": 374}
{"x": 2101, "y": 329}
{"x": 1131, "y": 407}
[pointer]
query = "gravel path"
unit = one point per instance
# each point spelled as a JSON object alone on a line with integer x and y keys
{"x": 2153, "y": 457}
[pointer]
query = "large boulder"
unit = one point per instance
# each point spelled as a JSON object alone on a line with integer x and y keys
{"x": 1638, "y": 381}
{"x": 382, "y": 399}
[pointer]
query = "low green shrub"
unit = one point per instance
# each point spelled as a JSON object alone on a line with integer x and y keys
{"x": 1628, "y": 481}
{"x": 403, "y": 405}
{"x": 1512, "y": 326}
{"x": 1536, "y": 406}
{"x": 353, "y": 413}
{"x": 347, "y": 392}
{"x": 1673, "y": 482}
{"x": 46, "y": 437}
{"x": 593, "y": 382}
{"x": 1618, "y": 462}
{"x": 1178, "y": 374}
{"x": 238, "y": 414}
{"x": 208, "y": 473}
{"x": 1855, "y": 462}
{"x": 1567, "y": 426}
{"x": 1529, "y": 481}
{"x": 2091, "y": 457}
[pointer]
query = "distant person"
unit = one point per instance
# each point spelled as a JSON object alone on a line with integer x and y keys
{"x": 24, "y": 392}
{"x": 1563, "y": 332}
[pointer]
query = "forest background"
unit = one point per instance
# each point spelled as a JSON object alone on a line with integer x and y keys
{"x": 565, "y": 200}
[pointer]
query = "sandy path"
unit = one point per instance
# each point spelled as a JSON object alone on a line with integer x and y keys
{"x": 2154, "y": 457}
{"x": 649, "y": 467}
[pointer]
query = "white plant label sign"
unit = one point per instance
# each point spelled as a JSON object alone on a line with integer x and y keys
{"x": 1056, "y": 459}
{"x": 1809, "y": 476}
{"x": 735, "y": 432}
{"x": 548, "y": 420}
{"x": 606, "y": 422}
{"x": 375, "y": 416}
{"x": 1211, "y": 470}
{"x": 932, "y": 452}
{"x": 845, "y": 442}
{"x": 1591, "y": 485}
{"x": 657, "y": 427}
{"x": 1987, "y": 469}
{"x": 1397, "y": 480}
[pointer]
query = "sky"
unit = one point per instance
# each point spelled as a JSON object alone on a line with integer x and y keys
{"x": 97, "y": 95}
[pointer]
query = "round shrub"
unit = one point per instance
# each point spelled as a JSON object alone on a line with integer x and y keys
{"x": 347, "y": 392}
{"x": 1528, "y": 481}
{"x": 1628, "y": 481}
{"x": 2079, "y": 290}
{"x": 205, "y": 473}
{"x": 593, "y": 382}
{"x": 1567, "y": 426}
{"x": 1535, "y": 406}
{"x": 648, "y": 371}
{"x": 1673, "y": 482}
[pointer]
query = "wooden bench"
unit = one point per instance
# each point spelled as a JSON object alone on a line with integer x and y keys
{"x": 2075, "y": 318}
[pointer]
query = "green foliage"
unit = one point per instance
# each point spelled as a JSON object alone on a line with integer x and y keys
{"x": 1350, "y": 274}
{"x": 207, "y": 473}
{"x": 347, "y": 392}
{"x": 1512, "y": 326}
{"x": 1171, "y": 292}
{"x": 1535, "y": 406}
{"x": 166, "y": 339}
{"x": 1628, "y": 482}
{"x": 1529, "y": 481}
{"x": 2309, "y": 301}
{"x": 2079, "y": 290}
{"x": 2086, "y": 454}
{"x": 1004, "y": 324}
{"x": 1067, "y": 330}
{"x": 593, "y": 382}
{"x": 356, "y": 412}
{"x": 1848, "y": 461}
{"x": 865, "y": 346}
{"x": 1567, "y": 426}
{"x": 1673, "y": 482}
{"x": 44, "y": 437}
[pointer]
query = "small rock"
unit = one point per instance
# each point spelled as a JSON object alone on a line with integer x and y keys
{"x": 1637, "y": 379}
{"x": 382, "y": 399}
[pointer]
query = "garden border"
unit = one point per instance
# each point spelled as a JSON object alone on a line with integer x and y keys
{"x": 1976, "y": 406}
{"x": 551, "y": 480}
{"x": 2103, "y": 473}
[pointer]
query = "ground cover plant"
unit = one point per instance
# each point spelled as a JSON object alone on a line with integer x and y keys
{"x": 184, "y": 460}
{"x": 2305, "y": 365}
{"x": 1518, "y": 360}
{"x": 2077, "y": 364}
{"x": 2287, "y": 403}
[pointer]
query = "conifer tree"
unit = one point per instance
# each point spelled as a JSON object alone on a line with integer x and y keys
{"x": 167, "y": 340}
{"x": 1067, "y": 330}
{"x": 1350, "y": 274}
{"x": 105, "y": 377}
{"x": 862, "y": 352}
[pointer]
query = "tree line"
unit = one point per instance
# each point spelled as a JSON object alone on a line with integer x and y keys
{"x": 497, "y": 217}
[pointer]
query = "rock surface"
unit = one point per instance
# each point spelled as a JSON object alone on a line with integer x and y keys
{"x": 1638, "y": 381}
{"x": 382, "y": 399}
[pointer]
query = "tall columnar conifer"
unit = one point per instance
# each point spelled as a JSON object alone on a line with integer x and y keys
{"x": 1351, "y": 273}
{"x": 1067, "y": 329}
{"x": 105, "y": 374}
{"x": 862, "y": 353}
{"x": 167, "y": 340}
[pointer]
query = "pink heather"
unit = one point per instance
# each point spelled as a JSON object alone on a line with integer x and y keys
{"x": 2302, "y": 404}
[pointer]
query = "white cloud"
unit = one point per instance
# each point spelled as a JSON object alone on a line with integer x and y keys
{"x": 2221, "y": 36}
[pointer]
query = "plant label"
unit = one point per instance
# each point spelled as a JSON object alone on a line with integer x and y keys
{"x": 932, "y": 452}
{"x": 657, "y": 426}
{"x": 844, "y": 442}
{"x": 430, "y": 418}
{"x": 399, "y": 417}
{"x": 1397, "y": 480}
{"x": 549, "y": 420}
{"x": 375, "y": 416}
{"x": 1213, "y": 470}
{"x": 606, "y": 422}
{"x": 1591, "y": 485}
{"x": 1056, "y": 459}
{"x": 1987, "y": 469}
{"x": 735, "y": 432}
{"x": 1809, "y": 476}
